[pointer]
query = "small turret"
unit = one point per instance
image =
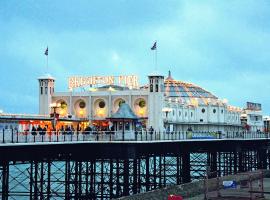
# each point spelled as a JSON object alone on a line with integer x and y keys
{"x": 46, "y": 89}
{"x": 156, "y": 83}
{"x": 156, "y": 98}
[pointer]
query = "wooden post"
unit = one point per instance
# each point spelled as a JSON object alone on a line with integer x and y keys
{"x": 206, "y": 187}
{"x": 250, "y": 188}
{"x": 261, "y": 186}
{"x": 218, "y": 188}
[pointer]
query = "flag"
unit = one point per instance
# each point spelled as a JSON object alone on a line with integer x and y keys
{"x": 154, "y": 47}
{"x": 46, "y": 51}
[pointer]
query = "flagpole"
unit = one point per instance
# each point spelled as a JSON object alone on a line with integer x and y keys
{"x": 154, "y": 47}
{"x": 156, "y": 60}
{"x": 47, "y": 63}
{"x": 47, "y": 55}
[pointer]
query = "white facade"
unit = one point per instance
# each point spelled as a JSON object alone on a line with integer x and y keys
{"x": 203, "y": 118}
{"x": 253, "y": 120}
{"x": 190, "y": 106}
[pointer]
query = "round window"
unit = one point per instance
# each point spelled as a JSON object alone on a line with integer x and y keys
{"x": 142, "y": 103}
{"x": 82, "y": 105}
{"x": 63, "y": 105}
{"x": 203, "y": 110}
{"x": 120, "y": 102}
{"x": 101, "y": 104}
{"x": 214, "y": 111}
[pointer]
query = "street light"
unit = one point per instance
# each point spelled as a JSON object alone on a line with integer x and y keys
{"x": 166, "y": 110}
{"x": 54, "y": 106}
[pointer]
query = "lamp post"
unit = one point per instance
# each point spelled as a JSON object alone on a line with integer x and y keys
{"x": 166, "y": 110}
{"x": 54, "y": 115}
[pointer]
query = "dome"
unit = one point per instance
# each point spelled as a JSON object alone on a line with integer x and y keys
{"x": 175, "y": 88}
{"x": 182, "y": 89}
{"x": 188, "y": 93}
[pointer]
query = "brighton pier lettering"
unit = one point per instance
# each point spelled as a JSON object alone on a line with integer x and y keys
{"x": 82, "y": 81}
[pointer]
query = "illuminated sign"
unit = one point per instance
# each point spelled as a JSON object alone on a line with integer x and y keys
{"x": 82, "y": 81}
{"x": 254, "y": 106}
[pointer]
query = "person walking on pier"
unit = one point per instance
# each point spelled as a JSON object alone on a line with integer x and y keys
{"x": 44, "y": 130}
{"x": 34, "y": 131}
{"x": 39, "y": 129}
{"x": 151, "y": 130}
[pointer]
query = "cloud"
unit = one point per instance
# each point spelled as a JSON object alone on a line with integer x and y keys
{"x": 222, "y": 46}
{"x": 115, "y": 57}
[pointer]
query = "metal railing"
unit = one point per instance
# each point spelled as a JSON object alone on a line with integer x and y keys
{"x": 14, "y": 136}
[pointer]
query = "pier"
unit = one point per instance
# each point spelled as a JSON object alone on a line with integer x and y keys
{"x": 104, "y": 166}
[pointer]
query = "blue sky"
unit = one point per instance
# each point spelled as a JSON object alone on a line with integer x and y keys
{"x": 223, "y": 46}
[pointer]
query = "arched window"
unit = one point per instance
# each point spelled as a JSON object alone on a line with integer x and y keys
{"x": 156, "y": 87}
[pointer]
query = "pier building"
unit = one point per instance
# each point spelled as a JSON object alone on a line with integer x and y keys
{"x": 252, "y": 117}
{"x": 163, "y": 103}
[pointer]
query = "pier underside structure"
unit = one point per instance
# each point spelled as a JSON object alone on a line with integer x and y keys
{"x": 99, "y": 170}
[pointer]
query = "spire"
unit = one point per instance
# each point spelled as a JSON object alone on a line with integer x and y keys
{"x": 169, "y": 76}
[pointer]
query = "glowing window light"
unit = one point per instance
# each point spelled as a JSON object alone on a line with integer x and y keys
{"x": 101, "y": 112}
{"x": 81, "y": 112}
{"x": 141, "y": 112}
{"x": 111, "y": 89}
{"x": 92, "y": 89}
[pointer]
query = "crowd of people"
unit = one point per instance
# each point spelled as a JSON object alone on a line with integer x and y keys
{"x": 90, "y": 129}
{"x": 69, "y": 130}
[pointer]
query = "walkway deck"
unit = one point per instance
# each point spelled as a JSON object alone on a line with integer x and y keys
{"x": 13, "y": 137}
